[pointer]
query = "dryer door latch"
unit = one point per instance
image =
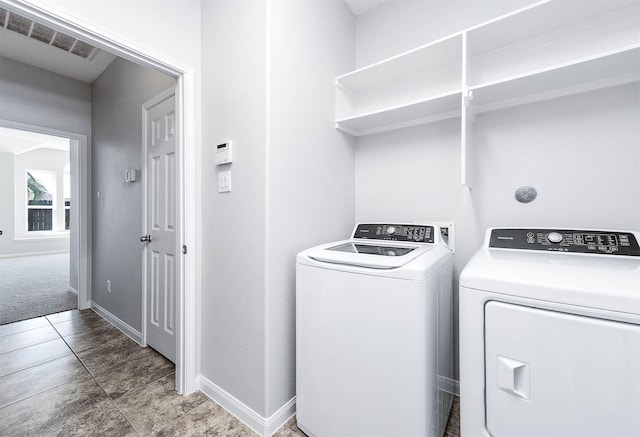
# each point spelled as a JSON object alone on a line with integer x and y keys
{"x": 512, "y": 376}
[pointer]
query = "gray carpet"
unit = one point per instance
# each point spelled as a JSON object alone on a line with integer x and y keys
{"x": 33, "y": 286}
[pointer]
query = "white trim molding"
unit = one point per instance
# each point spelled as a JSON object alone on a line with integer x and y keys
{"x": 264, "y": 426}
{"x": 123, "y": 326}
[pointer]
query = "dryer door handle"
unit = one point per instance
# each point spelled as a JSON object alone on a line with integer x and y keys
{"x": 512, "y": 376}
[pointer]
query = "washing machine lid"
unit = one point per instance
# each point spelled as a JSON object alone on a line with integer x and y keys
{"x": 407, "y": 251}
{"x": 373, "y": 249}
{"x": 370, "y": 254}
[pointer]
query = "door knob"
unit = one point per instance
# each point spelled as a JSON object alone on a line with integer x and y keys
{"x": 146, "y": 238}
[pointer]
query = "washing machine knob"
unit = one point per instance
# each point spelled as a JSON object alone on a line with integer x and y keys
{"x": 391, "y": 230}
{"x": 554, "y": 237}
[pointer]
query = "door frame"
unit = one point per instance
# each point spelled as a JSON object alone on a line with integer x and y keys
{"x": 146, "y": 106}
{"x": 81, "y": 214}
{"x": 187, "y": 379}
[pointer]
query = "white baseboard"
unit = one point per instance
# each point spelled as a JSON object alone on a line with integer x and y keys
{"x": 21, "y": 254}
{"x": 264, "y": 426}
{"x": 115, "y": 321}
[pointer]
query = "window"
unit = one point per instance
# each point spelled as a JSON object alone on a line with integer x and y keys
{"x": 41, "y": 191}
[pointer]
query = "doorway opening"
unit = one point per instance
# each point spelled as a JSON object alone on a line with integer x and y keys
{"x": 35, "y": 221}
{"x": 186, "y": 314}
{"x": 42, "y": 251}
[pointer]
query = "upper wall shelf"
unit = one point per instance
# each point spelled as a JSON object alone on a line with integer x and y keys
{"x": 542, "y": 19}
{"x": 550, "y": 49}
{"x": 414, "y": 87}
{"x": 594, "y": 72}
{"x": 551, "y": 35}
{"x": 404, "y": 115}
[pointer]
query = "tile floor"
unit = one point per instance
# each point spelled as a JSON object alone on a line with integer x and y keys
{"x": 73, "y": 373}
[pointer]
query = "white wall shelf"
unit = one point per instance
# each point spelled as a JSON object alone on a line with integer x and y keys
{"x": 414, "y": 87}
{"x": 598, "y": 71}
{"x": 405, "y": 115}
{"x": 524, "y": 43}
{"x": 547, "y": 50}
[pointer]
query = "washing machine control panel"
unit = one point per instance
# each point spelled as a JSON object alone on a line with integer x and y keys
{"x": 395, "y": 232}
{"x": 563, "y": 240}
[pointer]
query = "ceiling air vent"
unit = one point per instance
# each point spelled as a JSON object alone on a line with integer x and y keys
{"x": 45, "y": 34}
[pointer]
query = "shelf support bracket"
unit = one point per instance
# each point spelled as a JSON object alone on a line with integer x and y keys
{"x": 468, "y": 103}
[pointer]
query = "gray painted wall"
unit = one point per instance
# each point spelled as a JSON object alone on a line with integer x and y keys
{"x": 292, "y": 180}
{"x": 37, "y": 97}
{"x": 511, "y": 148}
{"x": 117, "y": 98}
{"x": 34, "y": 96}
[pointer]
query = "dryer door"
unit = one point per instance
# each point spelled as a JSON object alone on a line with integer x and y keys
{"x": 555, "y": 374}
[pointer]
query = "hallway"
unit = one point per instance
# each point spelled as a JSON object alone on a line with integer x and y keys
{"x": 73, "y": 373}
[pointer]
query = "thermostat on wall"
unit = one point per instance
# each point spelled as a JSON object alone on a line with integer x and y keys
{"x": 222, "y": 154}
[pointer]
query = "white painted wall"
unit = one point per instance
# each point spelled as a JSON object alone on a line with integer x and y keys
{"x": 168, "y": 29}
{"x": 310, "y": 197}
{"x": 233, "y": 224}
{"x": 400, "y": 25}
{"x": 269, "y": 70}
{"x": 513, "y": 147}
{"x": 117, "y": 98}
{"x": 7, "y": 216}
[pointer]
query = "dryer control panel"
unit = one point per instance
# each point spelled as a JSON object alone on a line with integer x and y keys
{"x": 395, "y": 232}
{"x": 569, "y": 241}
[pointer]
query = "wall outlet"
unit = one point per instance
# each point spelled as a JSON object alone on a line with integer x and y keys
{"x": 108, "y": 286}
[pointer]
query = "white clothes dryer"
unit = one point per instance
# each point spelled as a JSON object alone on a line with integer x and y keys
{"x": 550, "y": 334}
{"x": 374, "y": 333}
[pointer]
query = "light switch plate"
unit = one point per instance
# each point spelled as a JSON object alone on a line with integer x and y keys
{"x": 224, "y": 181}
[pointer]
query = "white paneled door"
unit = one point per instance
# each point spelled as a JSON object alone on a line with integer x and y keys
{"x": 160, "y": 253}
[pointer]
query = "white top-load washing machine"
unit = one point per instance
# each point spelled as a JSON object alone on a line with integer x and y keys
{"x": 373, "y": 333}
{"x": 550, "y": 334}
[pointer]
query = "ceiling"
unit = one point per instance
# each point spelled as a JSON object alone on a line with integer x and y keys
{"x": 17, "y": 141}
{"x": 361, "y": 6}
{"x": 40, "y": 46}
